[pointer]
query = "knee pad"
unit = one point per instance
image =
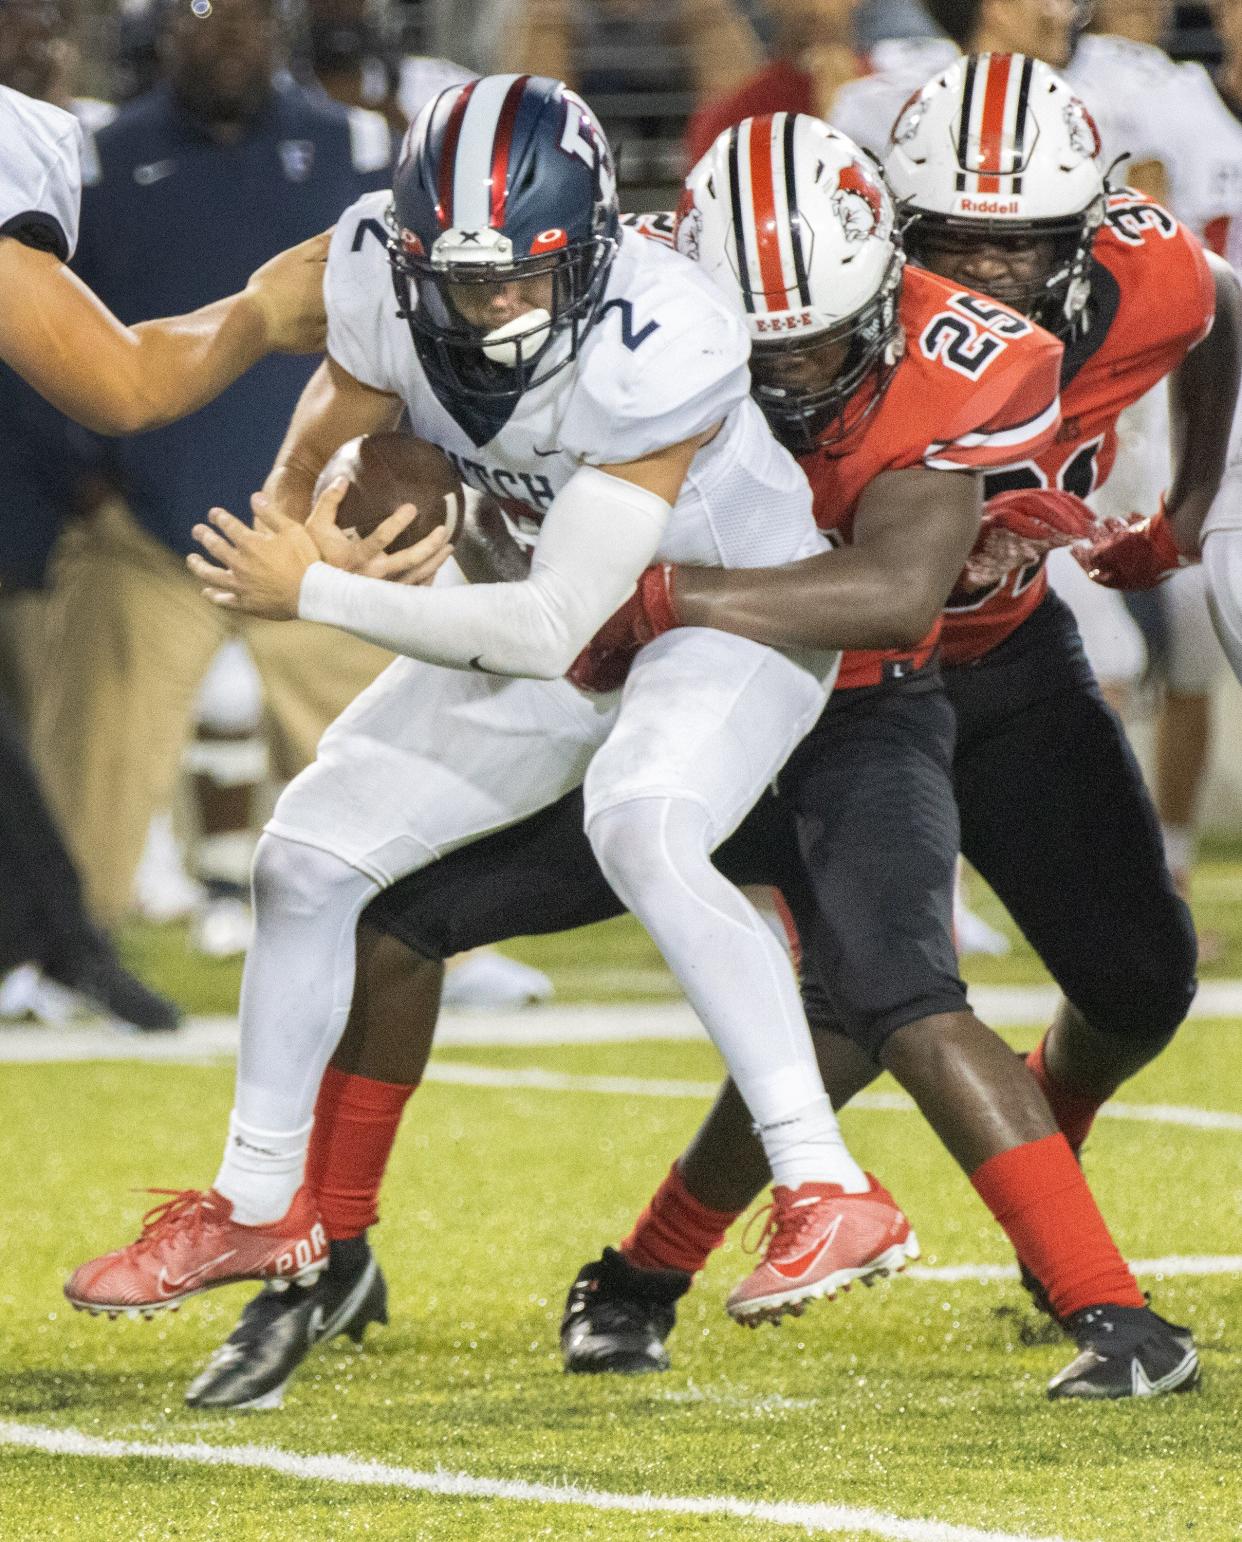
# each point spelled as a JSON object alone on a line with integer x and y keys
{"x": 1145, "y": 999}
{"x": 641, "y": 841}
{"x": 297, "y": 879}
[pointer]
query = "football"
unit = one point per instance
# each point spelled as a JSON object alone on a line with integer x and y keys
{"x": 486, "y": 550}
{"x": 386, "y": 470}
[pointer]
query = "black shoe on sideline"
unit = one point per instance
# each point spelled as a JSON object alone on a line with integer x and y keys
{"x": 282, "y": 1324}
{"x": 1126, "y": 1351}
{"x": 95, "y": 971}
{"x": 618, "y": 1316}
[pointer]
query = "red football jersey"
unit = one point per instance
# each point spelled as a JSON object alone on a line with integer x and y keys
{"x": 1152, "y": 300}
{"x": 977, "y": 387}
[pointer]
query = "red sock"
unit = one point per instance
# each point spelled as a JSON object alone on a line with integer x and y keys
{"x": 675, "y": 1231}
{"x": 1073, "y": 1112}
{"x": 356, "y": 1123}
{"x": 1038, "y": 1194}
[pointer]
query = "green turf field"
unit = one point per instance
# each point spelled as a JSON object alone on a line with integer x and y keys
{"x": 921, "y": 1400}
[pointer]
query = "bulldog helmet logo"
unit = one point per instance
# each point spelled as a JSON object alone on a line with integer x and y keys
{"x": 1084, "y": 137}
{"x": 858, "y": 203}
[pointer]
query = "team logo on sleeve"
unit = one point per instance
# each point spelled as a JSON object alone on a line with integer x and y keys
{"x": 859, "y": 204}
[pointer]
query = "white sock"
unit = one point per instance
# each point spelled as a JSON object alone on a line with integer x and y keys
{"x": 807, "y": 1147}
{"x": 262, "y": 1170}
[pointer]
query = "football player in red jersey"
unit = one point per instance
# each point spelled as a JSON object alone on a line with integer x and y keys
{"x": 1133, "y": 294}
{"x": 889, "y": 399}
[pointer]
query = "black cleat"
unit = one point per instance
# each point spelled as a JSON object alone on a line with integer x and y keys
{"x": 617, "y": 1317}
{"x": 95, "y": 971}
{"x": 1126, "y": 1351}
{"x": 280, "y": 1327}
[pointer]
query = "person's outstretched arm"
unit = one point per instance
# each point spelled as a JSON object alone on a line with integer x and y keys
{"x": 62, "y": 340}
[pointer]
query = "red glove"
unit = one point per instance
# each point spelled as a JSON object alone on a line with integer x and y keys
{"x": 1134, "y": 553}
{"x": 605, "y": 661}
{"x": 1022, "y": 526}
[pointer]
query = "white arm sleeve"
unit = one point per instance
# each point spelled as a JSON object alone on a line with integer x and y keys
{"x": 1222, "y": 565}
{"x": 599, "y": 534}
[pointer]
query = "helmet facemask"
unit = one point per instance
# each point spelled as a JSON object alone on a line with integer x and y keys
{"x": 809, "y": 404}
{"x": 507, "y": 358}
{"x": 1054, "y": 298}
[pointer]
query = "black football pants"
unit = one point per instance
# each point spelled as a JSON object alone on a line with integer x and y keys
{"x": 862, "y": 842}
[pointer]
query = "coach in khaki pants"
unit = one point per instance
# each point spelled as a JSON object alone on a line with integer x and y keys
{"x": 131, "y": 638}
{"x": 193, "y": 185}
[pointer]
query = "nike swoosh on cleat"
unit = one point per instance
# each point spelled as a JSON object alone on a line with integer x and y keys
{"x": 167, "y": 1285}
{"x": 799, "y": 1266}
{"x": 322, "y": 1326}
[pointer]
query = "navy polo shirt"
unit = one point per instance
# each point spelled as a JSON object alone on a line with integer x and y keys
{"x": 172, "y": 219}
{"x": 41, "y": 455}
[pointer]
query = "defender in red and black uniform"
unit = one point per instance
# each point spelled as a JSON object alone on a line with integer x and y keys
{"x": 924, "y": 379}
{"x": 1111, "y": 930}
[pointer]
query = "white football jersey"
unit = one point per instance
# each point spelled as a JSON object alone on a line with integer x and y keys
{"x": 665, "y": 359}
{"x": 1115, "y": 78}
{"x": 40, "y": 172}
{"x": 1204, "y": 161}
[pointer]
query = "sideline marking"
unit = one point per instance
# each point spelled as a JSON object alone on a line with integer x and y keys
{"x": 356, "y": 1471}
{"x": 1192, "y": 1265}
{"x": 204, "y": 1040}
{"x": 465, "y": 1074}
{"x": 586, "y": 1023}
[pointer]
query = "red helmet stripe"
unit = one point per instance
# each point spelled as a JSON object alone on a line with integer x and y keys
{"x": 763, "y": 208}
{"x": 448, "y": 156}
{"x": 992, "y": 126}
{"x": 499, "y": 179}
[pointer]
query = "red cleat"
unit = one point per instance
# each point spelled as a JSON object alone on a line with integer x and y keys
{"x": 820, "y": 1240}
{"x": 191, "y": 1243}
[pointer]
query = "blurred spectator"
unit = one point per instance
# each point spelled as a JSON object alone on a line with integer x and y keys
{"x": 642, "y": 64}
{"x": 354, "y": 48}
{"x": 222, "y": 164}
{"x": 50, "y": 952}
{"x": 816, "y": 54}
{"x": 1143, "y": 21}
{"x": 879, "y": 20}
{"x": 1201, "y": 181}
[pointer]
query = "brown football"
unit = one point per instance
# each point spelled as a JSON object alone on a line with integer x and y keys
{"x": 486, "y": 550}
{"x": 386, "y": 470}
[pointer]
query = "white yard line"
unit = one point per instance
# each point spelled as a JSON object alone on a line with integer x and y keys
{"x": 822, "y": 1519}
{"x": 1165, "y": 1268}
{"x": 206, "y": 1039}
{"x": 469, "y": 1075}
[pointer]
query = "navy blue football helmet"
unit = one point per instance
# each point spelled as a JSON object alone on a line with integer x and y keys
{"x": 504, "y": 228}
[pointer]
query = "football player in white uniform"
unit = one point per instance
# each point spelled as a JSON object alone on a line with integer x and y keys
{"x": 66, "y": 344}
{"x": 597, "y": 384}
{"x": 1206, "y": 193}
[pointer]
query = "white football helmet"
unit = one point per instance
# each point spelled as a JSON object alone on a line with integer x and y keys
{"x": 998, "y": 148}
{"x": 793, "y": 222}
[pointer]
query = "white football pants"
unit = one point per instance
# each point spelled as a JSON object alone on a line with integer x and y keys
{"x": 428, "y": 759}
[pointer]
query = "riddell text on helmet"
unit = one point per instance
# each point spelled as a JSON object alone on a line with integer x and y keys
{"x": 966, "y": 205}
